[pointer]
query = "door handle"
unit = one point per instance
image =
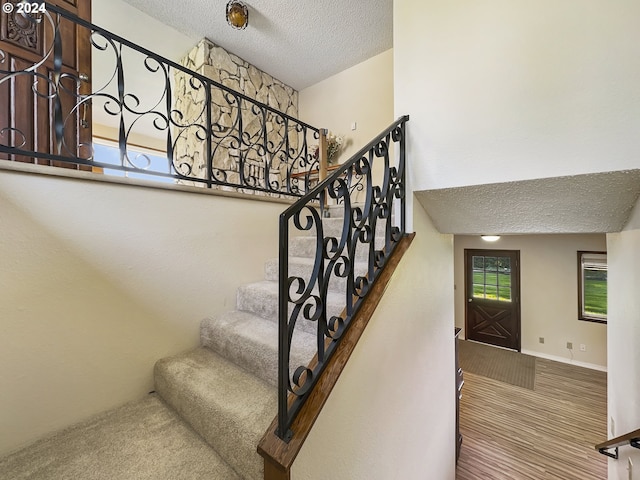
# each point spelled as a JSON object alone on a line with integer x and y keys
{"x": 83, "y": 122}
{"x": 470, "y": 300}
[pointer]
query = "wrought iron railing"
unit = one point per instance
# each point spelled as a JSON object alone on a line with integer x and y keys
{"x": 228, "y": 140}
{"x": 223, "y": 139}
{"x": 350, "y": 252}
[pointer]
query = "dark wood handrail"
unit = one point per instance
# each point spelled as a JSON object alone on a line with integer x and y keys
{"x": 278, "y": 455}
{"x": 631, "y": 438}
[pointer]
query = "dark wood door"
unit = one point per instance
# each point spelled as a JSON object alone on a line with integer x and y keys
{"x": 30, "y": 102}
{"x": 492, "y": 279}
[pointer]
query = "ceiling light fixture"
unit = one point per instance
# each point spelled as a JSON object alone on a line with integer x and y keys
{"x": 490, "y": 238}
{"x": 237, "y": 14}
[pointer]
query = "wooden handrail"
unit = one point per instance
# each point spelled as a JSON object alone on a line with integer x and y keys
{"x": 278, "y": 455}
{"x": 631, "y": 438}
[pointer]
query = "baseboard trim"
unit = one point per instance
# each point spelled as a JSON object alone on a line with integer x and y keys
{"x": 555, "y": 358}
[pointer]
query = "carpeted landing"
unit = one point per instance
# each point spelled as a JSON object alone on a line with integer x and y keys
{"x": 141, "y": 440}
{"x": 506, "y": 366}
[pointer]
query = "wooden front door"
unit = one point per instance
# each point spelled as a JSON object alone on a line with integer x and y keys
{"x": 31, "y": 102}
{"x": 492, "y": 279}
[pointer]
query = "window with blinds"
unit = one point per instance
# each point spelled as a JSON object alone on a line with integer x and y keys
{"x": 592, "y": 286}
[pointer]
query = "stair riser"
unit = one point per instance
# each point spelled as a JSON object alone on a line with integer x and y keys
{"x": 265, "y": 305}
{"x": 206, "y": 403}
{"x": 332, "y": 227}
{"x": 253, "y": 344}
{"x": 306, "y": 247}
{"x": 336, "y": 284}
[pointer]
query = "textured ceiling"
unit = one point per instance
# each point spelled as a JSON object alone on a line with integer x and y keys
{"x": 299, "y": 43}
{"x": 593, "y": 203}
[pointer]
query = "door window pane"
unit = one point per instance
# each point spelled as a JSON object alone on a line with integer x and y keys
{"x": 504, "y": 264}
{"x": 478, "y": 277}
{"x": 504, "y": 294}
{"x": 492, "y": 278}
{"x": 490, "y": 264}
{"x": 491, "y": 292}
{"x": 504, "y": 279}
{"x": 478, "y": 263}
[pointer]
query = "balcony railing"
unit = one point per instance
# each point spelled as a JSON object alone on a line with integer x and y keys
{"x": 211, "y": 135}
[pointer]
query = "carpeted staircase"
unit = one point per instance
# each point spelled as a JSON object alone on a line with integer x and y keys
{"x": 222, "y": 393}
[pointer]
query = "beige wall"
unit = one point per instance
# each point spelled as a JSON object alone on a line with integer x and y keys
{"x": 362, "y": 94}
{"x": 98, "y": 281}
{"x": 549, "y": 295}
{"x": 392, "y": 412}
{"x": 624, "y": 342}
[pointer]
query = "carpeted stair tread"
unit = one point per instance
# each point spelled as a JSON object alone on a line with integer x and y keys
{"x": 252, "y": 343}
{"x": 306, "y": 247}
{"x": 143, "y": 440}
{"x": 302, "y": 267}
{"x": 229, "y": 407}
{"x": 333, "y": 226}
{"x": 261, "y": 298}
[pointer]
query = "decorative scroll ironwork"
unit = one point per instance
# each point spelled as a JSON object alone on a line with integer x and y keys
{"x": 350, "y": 251}
{"x": 227, "y": 140}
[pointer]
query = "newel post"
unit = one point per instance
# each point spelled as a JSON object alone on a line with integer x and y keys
{"x": 322, "y": 154}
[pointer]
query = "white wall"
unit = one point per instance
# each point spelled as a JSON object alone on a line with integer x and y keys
{"x": 362, "y": 94}
{"x": 392, "y": 412}
{"x": 120, "y": 18}
{"x": 130, "y": 23}
{"x": 502, "y": 90}
{"x": 623, "y": 257}
{"x": 549, "y": 294}
{"x": 98, "y": 281}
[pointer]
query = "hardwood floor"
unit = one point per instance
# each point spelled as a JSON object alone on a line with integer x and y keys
{"x": 546, "y": 433}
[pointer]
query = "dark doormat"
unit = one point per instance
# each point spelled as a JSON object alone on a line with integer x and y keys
{"x": 503, "y": 365}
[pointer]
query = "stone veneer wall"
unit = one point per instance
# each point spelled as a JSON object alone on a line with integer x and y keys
{"x": 216, "y": 63}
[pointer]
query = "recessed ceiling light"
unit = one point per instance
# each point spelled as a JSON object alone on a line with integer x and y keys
{"x": 490, "y": 238}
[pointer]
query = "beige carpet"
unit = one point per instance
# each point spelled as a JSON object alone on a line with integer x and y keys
{"x": 499, "y": 364}
{"x": 142, "y": 440}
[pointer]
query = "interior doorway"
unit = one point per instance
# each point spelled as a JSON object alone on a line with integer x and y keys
{"x": 492, "y": 292}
